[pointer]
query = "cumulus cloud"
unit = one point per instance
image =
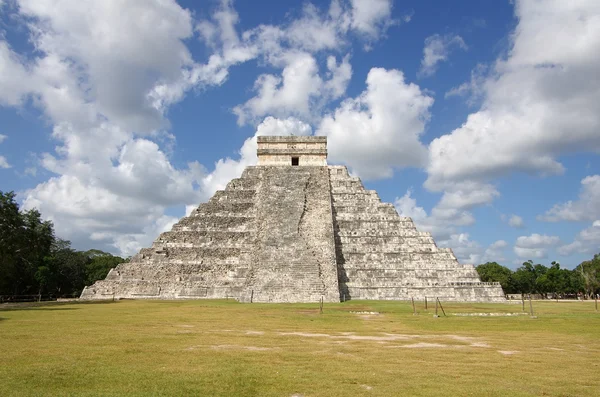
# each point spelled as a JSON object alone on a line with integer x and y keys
{"x": 379, "y": 130}
{"x": 3, "y": 162}
{"x": 534, "y": 246}
{"x": 443, "y": 221}
{"x": 15, "y": 78}
{"x": 586, "y": 241}
{"x": 516, "y": 222}
{"x": 371, "y": 17}
{"x": 299, "y": 91}
{"x": 437, "y": 49}
{"x": 465, "y": 249}
{"x": 587, "y": 208}
{"x": 106, "y": 93}
{"x": 538, "y": 102}
{"x": 473, "y": 90}
{"x": 112, "y": 180}
{"x": 495, "y": 252}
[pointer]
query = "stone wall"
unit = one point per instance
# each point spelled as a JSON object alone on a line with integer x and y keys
{"x": 278, "y": 150}
{"x": 294, "y": 260}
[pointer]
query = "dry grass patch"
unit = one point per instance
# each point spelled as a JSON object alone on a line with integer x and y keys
{"x": 223, "y": 348}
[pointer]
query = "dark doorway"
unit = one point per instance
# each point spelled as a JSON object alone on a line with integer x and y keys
{"x": 295, "y": 160}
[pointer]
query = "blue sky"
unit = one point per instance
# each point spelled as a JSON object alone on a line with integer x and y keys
{"x": 480, "y": 120}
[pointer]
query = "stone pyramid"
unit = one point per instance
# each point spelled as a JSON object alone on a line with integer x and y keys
{"x": 293, "y": 229}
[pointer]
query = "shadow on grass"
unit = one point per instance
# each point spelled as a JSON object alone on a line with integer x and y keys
{"x": 52, "y": 305}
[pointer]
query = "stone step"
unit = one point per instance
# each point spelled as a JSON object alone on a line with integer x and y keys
{"x": 216, "y": 223}
{"x": 247, "y": 246}
{"x": 391, "y": 248}
{"x": 360, "y": 225}
{"x": 231, "y": 195}
{"x": 243, "y": 184}
{"x": 206, "y": 236}
{"x": 448, "y": 274}
{"x": 383, "y": 241}
{"x": 397, "y": 257}
{"x": 389, "y": 232}
{"x": 374, "y": 208}
{"x": 225, "y": 208}
{"x": 354, "y": 197}
{"x": 439, "y": 265}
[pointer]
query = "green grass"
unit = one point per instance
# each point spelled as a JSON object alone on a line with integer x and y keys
{"x": 223, "y": 348}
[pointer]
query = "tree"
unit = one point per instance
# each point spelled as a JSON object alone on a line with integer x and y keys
{"x": 494, "y": 272}
{"x": 524, "y": 278}
{"x": 100, "y": 264}
{"x": 34, "y": 261}
{"x": 590, "y": 275}
{"x": 25, "y": 240}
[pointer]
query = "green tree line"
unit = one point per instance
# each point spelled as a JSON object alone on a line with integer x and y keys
{"x": 532, "y": 278}
{"x": 33, "y": 261}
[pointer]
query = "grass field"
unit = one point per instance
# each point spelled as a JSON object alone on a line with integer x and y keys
{"x": 223, "y": 348}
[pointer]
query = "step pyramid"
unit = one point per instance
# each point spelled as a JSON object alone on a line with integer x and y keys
{"x": 293, "y": 229}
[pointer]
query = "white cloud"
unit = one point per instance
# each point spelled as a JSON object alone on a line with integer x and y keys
{"x": 112, "y": 67}
{"x": 495, "y": 252}
{"x": 3, "y": 162}
{"x": 534, "y": 246}
{"x": 379, "y": 130}
{"x": 407, "y": 206}
{"x": 516, "y": 222}
{"x": 15, "y": 79}
{"x": 538, "y": 103}
{"x": 442, "y": 221}
{"x": 298, "y": 91}
{"x": 465, "y": 249}
{"x": 587, "y": 241}
{"x": 473, "y": 89}
{"x": 113, "y": 182}
{"x": 587, "y": 208}
{"x": 468, "y": 194}
{"x": 437, "y": 49}
{"x": 371, "y": 17}
{"x": 104, "y": 78}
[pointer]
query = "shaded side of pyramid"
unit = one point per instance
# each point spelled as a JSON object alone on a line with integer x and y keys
{"x": 381, "y": 255}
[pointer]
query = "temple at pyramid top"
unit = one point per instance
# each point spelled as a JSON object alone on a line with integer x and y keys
{"x": 292, "y": 150}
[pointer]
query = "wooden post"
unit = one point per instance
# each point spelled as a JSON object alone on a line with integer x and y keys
{"x": 425, "y": 303}
{"x": 441, "y": 307}
{"x": 436, "y": 306}
{"x": 523, "y": 300}
{"x": 251, "y": 296}
{"x": 321, "y": 306}
{"x": 113, "y": 297}
{"x": 413, "y": 304}
{"x": 343, "y": 297}
{"x": 596, "y": 301}
{"x": 531, "y": 307}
